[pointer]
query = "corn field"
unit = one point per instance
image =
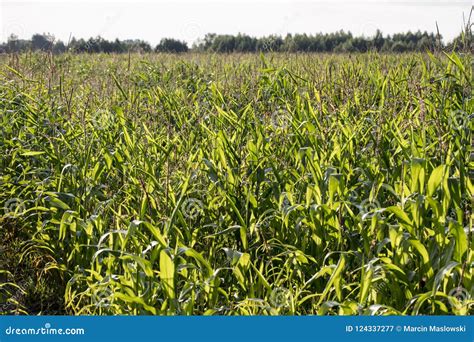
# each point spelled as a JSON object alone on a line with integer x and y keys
{"x": 200, "y": 184}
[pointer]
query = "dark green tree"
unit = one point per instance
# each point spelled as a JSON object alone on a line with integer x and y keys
{"x": 171, "y": 45}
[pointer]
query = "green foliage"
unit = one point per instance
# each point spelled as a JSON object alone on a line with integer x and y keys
{"x": 337, "y": 42}
{"x": 171, "y": 45}
{"x": 229, "y": 185}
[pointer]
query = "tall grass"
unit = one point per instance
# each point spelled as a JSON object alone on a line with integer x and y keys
{"x": 239, "y": 184}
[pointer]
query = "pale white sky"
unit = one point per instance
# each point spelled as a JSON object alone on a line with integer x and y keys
{"x": 189, "y": 20}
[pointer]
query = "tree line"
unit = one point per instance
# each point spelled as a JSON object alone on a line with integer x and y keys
{"x": 343, "y": 42}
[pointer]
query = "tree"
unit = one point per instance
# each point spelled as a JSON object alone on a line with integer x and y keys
{"x": 59, "y": 47}
{"x": 171, "y": 45}
{"x": 14, "y": 44}
{"x": 42, "y": 42}
{"x": 378, "y": 40}
{"x": 399, "y": 47}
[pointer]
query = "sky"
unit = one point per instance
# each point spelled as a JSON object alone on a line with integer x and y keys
{"x": 189, "y": 20}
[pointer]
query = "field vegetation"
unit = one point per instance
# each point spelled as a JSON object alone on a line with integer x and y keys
{"x": 236, "y": 184}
